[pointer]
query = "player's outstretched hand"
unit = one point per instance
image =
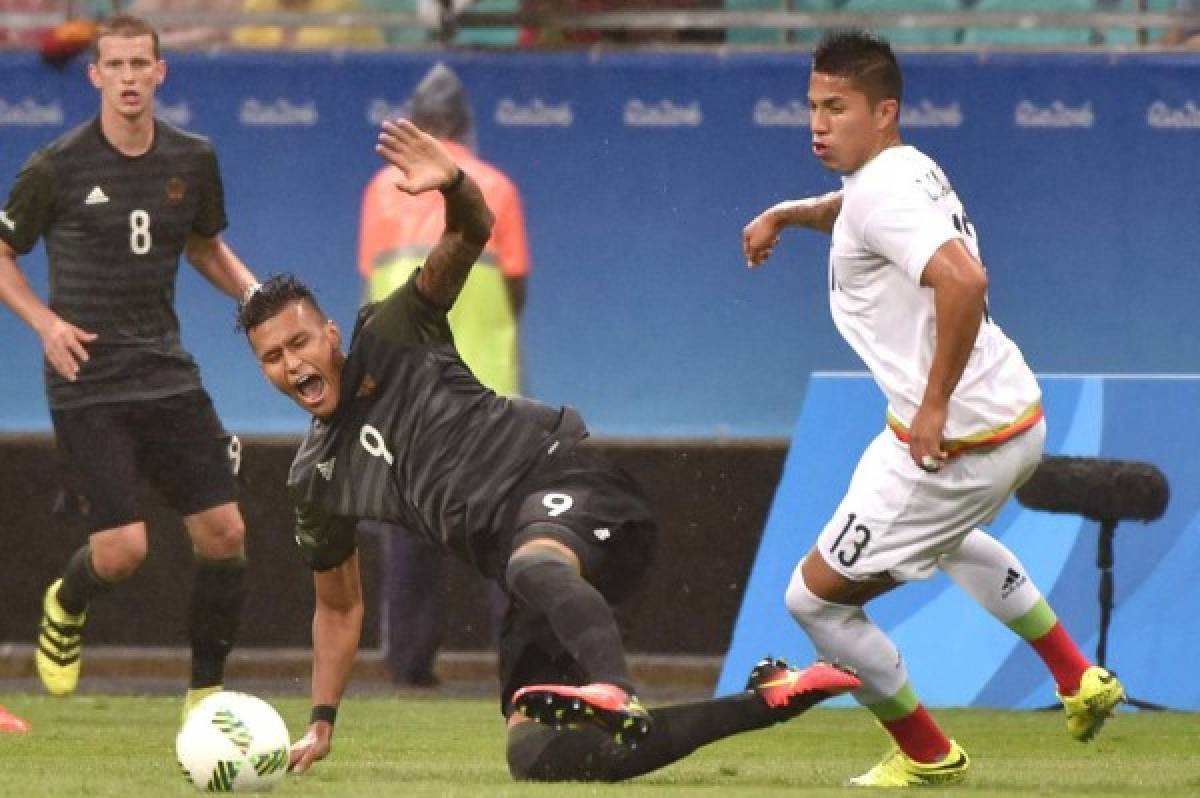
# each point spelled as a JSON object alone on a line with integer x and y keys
{"x": 760, "y": 237}
{"x": 63, "y": 344}
{"x": 312, "y": 747}
{"x": 423, "y": 162}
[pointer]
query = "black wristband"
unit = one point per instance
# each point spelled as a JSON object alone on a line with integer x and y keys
{"x": 323, "y": 712}
{"x": 455, "y": 182}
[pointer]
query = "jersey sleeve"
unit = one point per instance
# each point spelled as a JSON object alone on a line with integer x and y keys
{"x": 31, "y": 204}
{"x": 325, "y": 541}
{"x": 906, "y": 227}
{"x": 407, "y": 317}
{"x": 210, "y": 215}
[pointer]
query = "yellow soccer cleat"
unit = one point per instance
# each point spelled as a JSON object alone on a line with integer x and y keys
{"x": 897, "y": 770}
{"x": 59, "y": 644}
{"x": 194, "y": 696}
{"x": 1098, "y": 695}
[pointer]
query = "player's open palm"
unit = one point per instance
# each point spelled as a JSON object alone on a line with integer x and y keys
{"x": 422, "y": 161}
{"x": 312, "y": 747}
{"x": 63, "y": 344}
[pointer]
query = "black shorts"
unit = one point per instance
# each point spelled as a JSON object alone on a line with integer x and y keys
{"x": 177, "y": 444}
{"x": 594, "y": 508}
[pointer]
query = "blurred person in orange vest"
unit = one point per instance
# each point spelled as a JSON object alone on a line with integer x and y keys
{"x": 397, "y": 231}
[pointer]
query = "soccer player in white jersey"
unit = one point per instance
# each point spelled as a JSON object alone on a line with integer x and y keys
{"x": 964, "y": 420}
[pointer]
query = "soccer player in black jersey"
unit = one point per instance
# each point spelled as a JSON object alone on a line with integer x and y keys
{"x": 118, "y": 200}
{"x": 403, "y": 432}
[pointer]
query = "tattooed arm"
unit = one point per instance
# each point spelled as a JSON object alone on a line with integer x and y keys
{"x": 424, "y": 165}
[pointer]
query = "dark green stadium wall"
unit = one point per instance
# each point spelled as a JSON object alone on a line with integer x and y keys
{"x": 712, "y": 498}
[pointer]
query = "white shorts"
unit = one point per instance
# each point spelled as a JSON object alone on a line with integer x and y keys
{"x": 898, "y": 519}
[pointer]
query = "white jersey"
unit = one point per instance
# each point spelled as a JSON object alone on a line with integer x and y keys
{"x": 897, "y": 210}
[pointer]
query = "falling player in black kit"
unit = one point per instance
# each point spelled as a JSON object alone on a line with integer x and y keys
{"x": 117, "y": 201}
{"x": 403, "y": 432}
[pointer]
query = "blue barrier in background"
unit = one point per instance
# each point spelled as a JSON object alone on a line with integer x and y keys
{"x": 956, "y": 653}
{"x": 638, "y": 173}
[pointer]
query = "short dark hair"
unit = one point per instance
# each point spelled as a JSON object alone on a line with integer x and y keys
{"x": 125, "y": 25}
{"x": 865, "y": 59}
{"x": 272, "y": 297}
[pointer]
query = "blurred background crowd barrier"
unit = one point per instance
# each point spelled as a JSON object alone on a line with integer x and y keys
{"x": 570, "y": 23}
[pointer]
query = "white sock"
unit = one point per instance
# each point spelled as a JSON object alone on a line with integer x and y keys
{"x": 844, "y": 634}
{"x": 992, "y": 575}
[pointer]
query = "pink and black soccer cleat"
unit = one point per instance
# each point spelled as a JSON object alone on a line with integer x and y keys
{"x": 566, "y": 706}
{"x": 783, "y": 686}
{"x": 11, "y": 723}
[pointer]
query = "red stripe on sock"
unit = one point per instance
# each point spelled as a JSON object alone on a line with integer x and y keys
{"x": 1062, "y": 657}
{"x": 918, "y": 736}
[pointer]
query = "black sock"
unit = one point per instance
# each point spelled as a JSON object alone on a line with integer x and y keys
{"x": 542, "y": 753}
{"x": 80, "y": 583}
{"x": 213, "y": 614}
{"x": 690, "y": 726}
{"x": 578, "y": 614}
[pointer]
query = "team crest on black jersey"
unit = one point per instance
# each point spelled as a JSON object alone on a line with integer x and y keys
{"x": 176, "y": 188}
{"x": 366, "y": 387}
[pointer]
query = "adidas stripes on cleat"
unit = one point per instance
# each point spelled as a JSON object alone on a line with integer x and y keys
{"x": 782, "y": 686}
{"x": 898, "y": 770}
{"x": 1098, "y": 695}
{"x": 59, "y": 644}
{"x": 604, "y": 705}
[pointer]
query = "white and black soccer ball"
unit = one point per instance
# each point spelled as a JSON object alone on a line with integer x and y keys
{"x": 233, "y": 742}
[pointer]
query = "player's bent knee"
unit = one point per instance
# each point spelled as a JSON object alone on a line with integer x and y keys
{"x": 532, "y": 557}
{"x": 115, "y": 571}
{"x": 224, "y": 542}
{"x": 527, "y": 742}
{"x": 800, "y": 601}
{"x": 540, "y": 753}
{"x": 115, "y": 559}
{"x": 230, "y": 542}
{"x": 218, "y": 533}
{"x": 809, "y": 610}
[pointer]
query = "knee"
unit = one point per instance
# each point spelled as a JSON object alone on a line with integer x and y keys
{"x": 530, "y": 564}
{"x": 525, "y": 748}
{"x": 118, "y": 558}
{"x": 523, "y": 769}
{"x": 540, "y": 753}
{"x": 223, "y": 541}
{"x": 812, "y": 611}
{"x": 800, "y": 601}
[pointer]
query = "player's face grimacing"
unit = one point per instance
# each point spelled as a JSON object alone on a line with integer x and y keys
{"x": 300, "y": 352}
{"x": 127, "y": 73}
{"x": 847, "y": 131}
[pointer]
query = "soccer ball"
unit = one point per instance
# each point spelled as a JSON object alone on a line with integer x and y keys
{"x": 233, "y": 742}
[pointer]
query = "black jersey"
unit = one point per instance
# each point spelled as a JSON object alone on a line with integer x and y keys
{"x": 417, "y": 440}
{"x": 114, "y": 228}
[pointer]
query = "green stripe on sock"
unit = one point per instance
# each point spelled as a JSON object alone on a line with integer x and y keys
{"x": 1035, "y": 623}
{"x": 898, "y": 706}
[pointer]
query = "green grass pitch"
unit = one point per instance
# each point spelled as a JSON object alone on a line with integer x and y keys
{"x": 124, "y": 746}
